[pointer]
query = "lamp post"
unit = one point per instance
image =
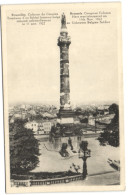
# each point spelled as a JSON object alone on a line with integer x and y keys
{"x": 84, "y": 153}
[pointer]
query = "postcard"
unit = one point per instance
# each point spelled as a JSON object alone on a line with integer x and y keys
{"x": 63, "y": 97}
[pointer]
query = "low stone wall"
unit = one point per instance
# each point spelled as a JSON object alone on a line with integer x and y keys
{"x": 27, "y": 183}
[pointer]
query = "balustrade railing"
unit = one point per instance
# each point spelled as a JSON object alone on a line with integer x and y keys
{"x": 28, "y": 183}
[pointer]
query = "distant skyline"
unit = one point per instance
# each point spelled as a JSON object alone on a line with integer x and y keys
{"x": 57, "y": 104}
{"x": 34, "y": 62}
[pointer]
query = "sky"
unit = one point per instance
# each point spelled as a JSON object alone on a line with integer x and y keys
{"x": 33, "y": 60}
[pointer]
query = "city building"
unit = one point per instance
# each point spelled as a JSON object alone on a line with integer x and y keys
{"x": 103, "y": 110}
{"x": 91, "y": 120}
{"x": 39, "y": 126}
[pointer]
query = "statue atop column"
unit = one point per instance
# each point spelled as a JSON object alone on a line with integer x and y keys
{"x": 63, "y": 21}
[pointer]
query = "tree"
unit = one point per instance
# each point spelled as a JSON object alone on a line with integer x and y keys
{"x": 114, "y": 109}
{"x": 111, "y": 133}
{"x": 24, "y": 148}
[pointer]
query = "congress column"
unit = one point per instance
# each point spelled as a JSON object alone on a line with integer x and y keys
{"x": 65, "y": 113}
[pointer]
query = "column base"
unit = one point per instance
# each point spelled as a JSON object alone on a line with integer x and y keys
{"x": 66, "y": 116}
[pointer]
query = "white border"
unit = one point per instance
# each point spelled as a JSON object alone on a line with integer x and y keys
{"x": 125, "y": 36}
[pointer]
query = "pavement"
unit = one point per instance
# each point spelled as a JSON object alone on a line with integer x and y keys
{"x": 99, "y": 170}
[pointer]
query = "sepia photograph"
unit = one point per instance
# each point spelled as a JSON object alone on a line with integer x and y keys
{"x": 63, "y": 97}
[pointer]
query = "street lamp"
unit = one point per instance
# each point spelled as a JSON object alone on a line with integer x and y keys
{"x": 84, "y": 153}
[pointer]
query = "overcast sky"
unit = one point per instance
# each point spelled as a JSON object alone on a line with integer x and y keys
{"x": 33, "y": 60}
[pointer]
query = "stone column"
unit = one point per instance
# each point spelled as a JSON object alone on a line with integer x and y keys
{"x": 64, "y": 42}
{"x": 66, "y": 115}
